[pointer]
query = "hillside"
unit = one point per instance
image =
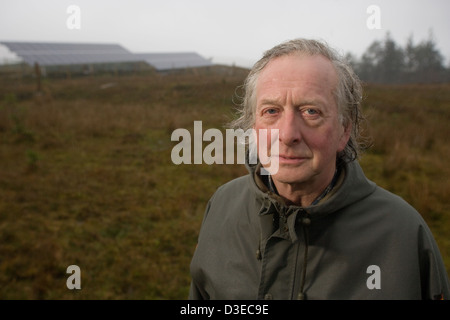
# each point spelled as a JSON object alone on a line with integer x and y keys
{"x": 86, "y": 176}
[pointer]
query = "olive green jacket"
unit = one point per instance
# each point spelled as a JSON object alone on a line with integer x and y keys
{"x": 360, "y": 242}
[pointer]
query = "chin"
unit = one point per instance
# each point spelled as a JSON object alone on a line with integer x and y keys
{"x": 290, "y": 175}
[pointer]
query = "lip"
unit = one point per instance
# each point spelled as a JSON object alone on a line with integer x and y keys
{"x": 286, "y": 159}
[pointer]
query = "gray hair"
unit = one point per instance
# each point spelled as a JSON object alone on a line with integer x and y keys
{"x": 348, "y": 92}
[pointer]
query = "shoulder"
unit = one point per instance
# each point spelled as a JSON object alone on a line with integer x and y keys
{"x": 240, "y": 181}
{"x": 233, "y": 189}
{"x": 231, "y": 200}
{"x": 368, "y": 197}
{"x": 395, "y": 209}
{"x": 388, "y": 200}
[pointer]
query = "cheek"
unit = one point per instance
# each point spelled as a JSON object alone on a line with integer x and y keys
{"x": 266, "y": 138}
{"x": 326, "y": 141}
{"x": 263, "y": 138}
{"x": 261, "y": 132}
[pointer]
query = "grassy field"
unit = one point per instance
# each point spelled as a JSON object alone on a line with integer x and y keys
{"x": 86, "y": 177}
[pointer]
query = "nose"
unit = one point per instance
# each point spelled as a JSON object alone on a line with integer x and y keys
{"x": 289, "y": 129}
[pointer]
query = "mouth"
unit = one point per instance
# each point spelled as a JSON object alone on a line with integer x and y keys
{"x": 287, "y": 159}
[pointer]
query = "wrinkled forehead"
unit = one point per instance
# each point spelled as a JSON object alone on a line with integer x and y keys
{"x": 306, "y": 76}
{"x": 297, "y": 69}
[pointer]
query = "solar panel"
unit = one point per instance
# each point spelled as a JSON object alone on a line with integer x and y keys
{"x": 64, "y": 48}
{"x": 53, "y": 54}
{"x": 168, "y": 61}
{"x": 69, "y": 53}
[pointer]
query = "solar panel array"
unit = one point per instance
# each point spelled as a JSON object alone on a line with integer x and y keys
{"x": 55, "y": 54}
{"x": 168, "y": 61}
{"x": 48, "y": 54}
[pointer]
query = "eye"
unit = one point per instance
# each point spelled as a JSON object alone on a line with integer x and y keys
{"x": 311, "y": 113}
{"x": 270, "y": 111}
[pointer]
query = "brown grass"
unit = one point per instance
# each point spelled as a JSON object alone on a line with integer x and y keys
{"x": 86, "y": 177}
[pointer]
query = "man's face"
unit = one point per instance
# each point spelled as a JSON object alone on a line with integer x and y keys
{"x": 294, "y": 94}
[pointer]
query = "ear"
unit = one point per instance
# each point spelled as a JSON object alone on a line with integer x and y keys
{"x": 345, "y": 136}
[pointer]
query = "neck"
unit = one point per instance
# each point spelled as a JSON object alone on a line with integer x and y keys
{"x": 307, "y": 193}
{"x": 297, "y": 196}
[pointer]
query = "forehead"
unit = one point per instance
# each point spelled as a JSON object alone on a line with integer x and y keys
{"x": 299, "y": 72}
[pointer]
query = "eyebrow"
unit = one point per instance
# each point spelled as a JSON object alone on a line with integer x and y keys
{"x": 276, "y": 102}
{"x": 269, "y": 102}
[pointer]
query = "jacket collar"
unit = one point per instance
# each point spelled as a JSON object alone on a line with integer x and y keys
{"x": 351, "y": 187}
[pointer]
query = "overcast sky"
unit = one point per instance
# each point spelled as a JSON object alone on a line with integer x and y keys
{"x": 226, "y": 30}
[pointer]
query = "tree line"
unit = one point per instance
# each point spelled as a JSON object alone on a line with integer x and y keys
{"x": 384, "y": 61}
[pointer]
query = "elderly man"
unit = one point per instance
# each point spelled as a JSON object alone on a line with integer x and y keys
{"x": 316, "y": 228}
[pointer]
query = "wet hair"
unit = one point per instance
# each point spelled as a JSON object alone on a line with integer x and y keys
{"x": 348, "y": 93}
